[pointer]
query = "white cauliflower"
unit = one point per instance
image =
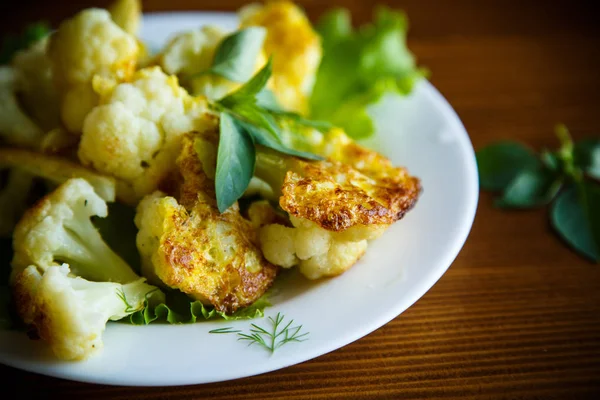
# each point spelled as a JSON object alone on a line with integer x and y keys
{"x": 317, "y": 251}
{"x": 294, "y": 46}
{"x": 58, "y": 229}
{"x": 135, "y": 134}
{"x": 85, "y": 46}
{"x": 37, "y": 92}
{"x": 15, "y": 126}
{"x": 70, "y": 313}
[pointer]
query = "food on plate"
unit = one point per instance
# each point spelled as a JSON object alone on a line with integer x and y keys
{"x": 67, "y": 283}
{"x": 201, "y": 164}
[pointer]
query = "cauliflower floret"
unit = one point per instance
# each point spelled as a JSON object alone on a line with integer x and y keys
{"x": 127, "y": 14}
{"x": 318, "y": 252}
{"x": 189, "y": 54}
{"x": 58, "y": 229}
{"x": 334, "y": 209}
{"x": 37, "y": 91}
{"x": 70, "y": 313}
{"x": 211, "y": 256}
{"x": 135, "y": 134}
{"x": 294, "y": 46}
{"x": 15, "y": 126}
{"x": 84, "y": 46}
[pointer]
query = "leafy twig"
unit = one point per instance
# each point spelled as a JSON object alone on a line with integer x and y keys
{"x": 566, "y": 179}
{"x": 277, "y": 336}
{"x": 270, "y": 338}
{"x": 227, "y": 329}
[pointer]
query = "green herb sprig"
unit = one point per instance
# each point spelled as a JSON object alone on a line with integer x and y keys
{"x": 567, "y": 179}
{"x": 249, "y": 116}
{"x": 271, "y": 338}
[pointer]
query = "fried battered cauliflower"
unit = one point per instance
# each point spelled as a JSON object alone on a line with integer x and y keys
{"x": 70, "y": 313}
{"x": 84, "y": 46}
{"x": 334, "y": 209}
{"x": 210, "y": 256}
{"x": 294, "y": 46}
{"x": 135, "y": 134}
{"x": 16, "y": 127}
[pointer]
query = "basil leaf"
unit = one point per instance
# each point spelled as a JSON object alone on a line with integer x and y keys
{"x": 296, "y": 118}
{"x": 569, "y": 219}
{"x": 265, "y": 139}
{"x": 252, "y": 114}
{"x": 530, "y": 188}
{"x": 550, "y": 160}
{"x": 248, "y": 92}
{"x": 587, "y": 156}
{"x": 266, "y": 99}
{"x": 499, "y": 164}
{"x": 236, "y": 56}
{"x": 590, "y": 197}
{"x": 235, "y": 162}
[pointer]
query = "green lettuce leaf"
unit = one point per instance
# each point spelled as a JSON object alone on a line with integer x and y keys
{"x": 180, "y": 309}
{"x": 359, "y": 67}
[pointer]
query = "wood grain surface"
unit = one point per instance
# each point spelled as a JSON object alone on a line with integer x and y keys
{"x": 517, "y": 315}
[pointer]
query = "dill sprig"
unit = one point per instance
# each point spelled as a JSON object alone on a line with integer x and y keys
{"x": 276, "y": 337}
{"x": 228, "y": 329}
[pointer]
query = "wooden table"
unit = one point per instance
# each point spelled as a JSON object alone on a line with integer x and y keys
{"x": 517, "y": 315}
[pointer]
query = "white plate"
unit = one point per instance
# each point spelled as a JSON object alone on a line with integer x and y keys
{"x": 421, "y": 132}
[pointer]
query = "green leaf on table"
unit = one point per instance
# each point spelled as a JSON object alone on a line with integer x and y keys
{"x": 500, "y": 163}
{"x": 359, "y": 67}
{"x": 587, "y": 156}
{"x": 236, "y": 56}
{"x": 532, "y": 187}
{"x": 590, "y": 198}
{"x": 569, "y": 217}
{"x": 235, "y": 162}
